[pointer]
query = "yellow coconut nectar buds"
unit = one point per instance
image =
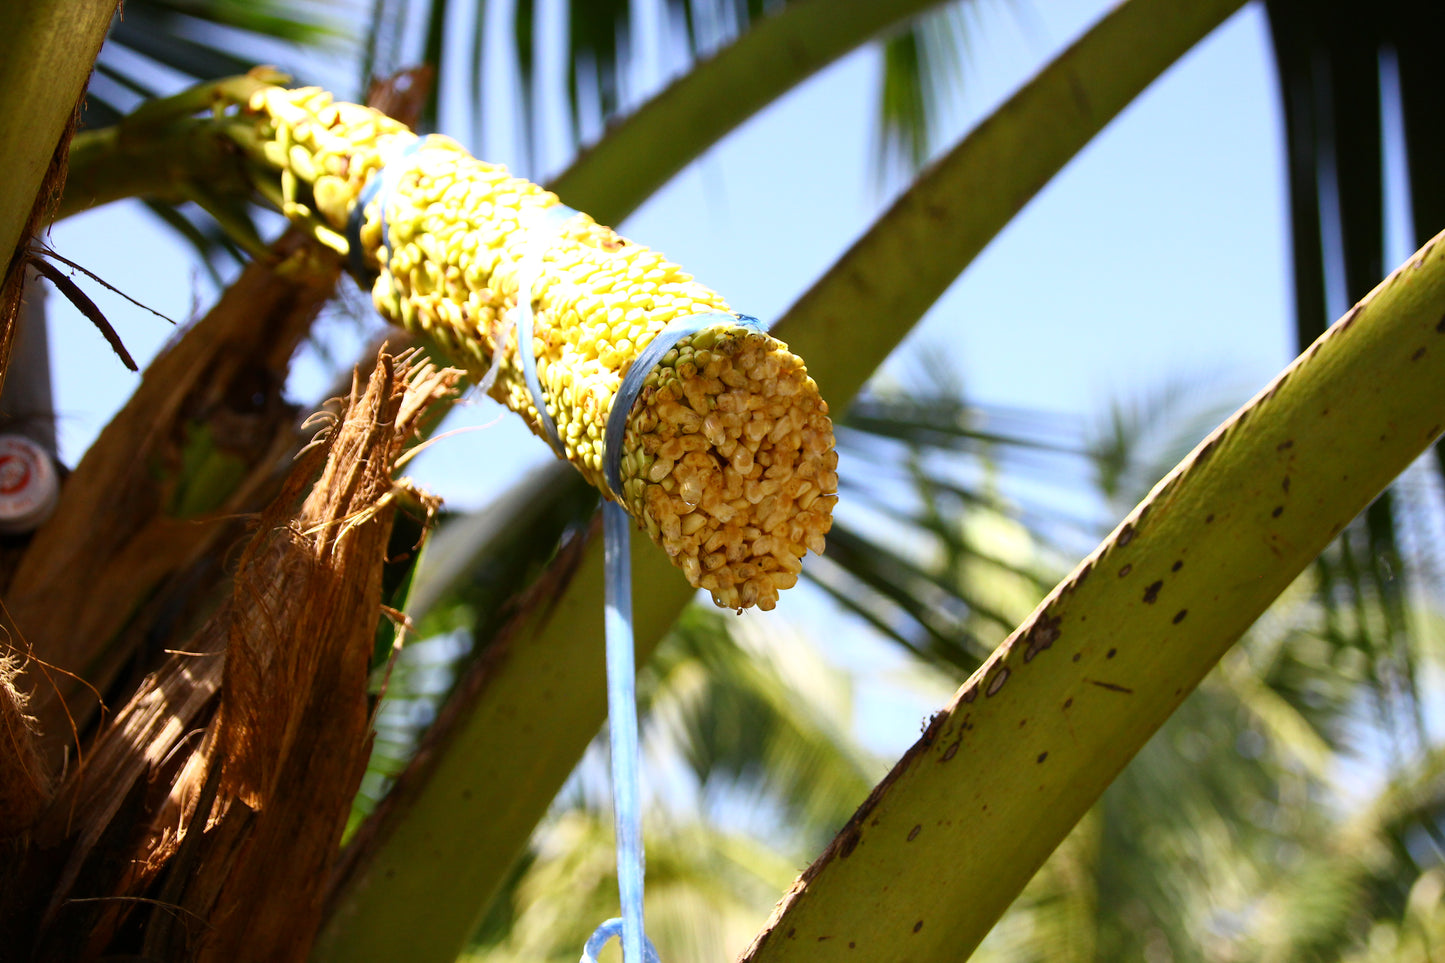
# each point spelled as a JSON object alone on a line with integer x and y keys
{"x": 727, "y": 454}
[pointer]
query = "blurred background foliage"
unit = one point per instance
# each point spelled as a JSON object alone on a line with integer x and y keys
{"x": 1291, "y": 810}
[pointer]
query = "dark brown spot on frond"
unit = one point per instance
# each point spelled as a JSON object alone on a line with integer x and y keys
{"x": 1179, "y": 616}
{"x": 1278, "y": 511}
{"x": 1152, "y": 592}
{"x": 1111, "y": 686}
{"x": 1042, "y": 634}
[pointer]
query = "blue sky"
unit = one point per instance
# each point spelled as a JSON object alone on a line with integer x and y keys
{"x": 1159, "y": 253}
{"x": 1172, "y": 221}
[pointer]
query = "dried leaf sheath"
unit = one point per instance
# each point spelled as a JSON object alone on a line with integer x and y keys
{"x": 286, "y": 721}
{"x": 293, "y": 722}
{"x": 191, "y": 448}
{"x": 728, "y": 456}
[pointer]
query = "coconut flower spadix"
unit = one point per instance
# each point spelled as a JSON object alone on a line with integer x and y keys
{"x": 727, "y": 454}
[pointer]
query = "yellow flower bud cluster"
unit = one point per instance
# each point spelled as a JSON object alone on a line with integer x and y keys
{"x": 728, "y": 454}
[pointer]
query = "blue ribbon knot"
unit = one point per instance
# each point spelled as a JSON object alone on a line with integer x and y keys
{"x": 381, "y": 184}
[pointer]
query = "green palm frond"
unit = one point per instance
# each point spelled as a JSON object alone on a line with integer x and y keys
{"x": 928, "y": 549}
{"x": 1351, "y": 655}
{"x": 922, "y": 78}
{"x": 159, "y": 46}
{"x": 1139, "y": 439}
{"x": 756, "y": 714}
{"x": 1368, "y": 879}
{"x": 707, "y": 891}
{"x": 1220, "y": 811}
{"x": 922, "y": 63}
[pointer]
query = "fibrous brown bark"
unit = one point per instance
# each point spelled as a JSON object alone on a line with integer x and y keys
{"x": 211, "y": 808}
{"x": 203, "y": 438}
{"x": 293, "y": 731}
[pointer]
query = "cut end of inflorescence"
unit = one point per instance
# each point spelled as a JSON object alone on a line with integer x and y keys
{"x": 729, "y": 462}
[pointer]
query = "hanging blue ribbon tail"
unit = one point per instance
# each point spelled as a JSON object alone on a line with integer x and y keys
{"x": 622, "y": 728}
{"x": 621, "y": 671}
{"x": 607, "y": 931}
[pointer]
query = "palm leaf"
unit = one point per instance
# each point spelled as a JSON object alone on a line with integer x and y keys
{"x": 756, "y": 714}
{"x": 1365, "y": 875}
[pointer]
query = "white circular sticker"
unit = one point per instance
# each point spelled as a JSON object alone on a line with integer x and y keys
{"x": 29, "y": 487}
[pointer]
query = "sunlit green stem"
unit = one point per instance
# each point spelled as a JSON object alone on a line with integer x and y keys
{"x": 163, "y": 152}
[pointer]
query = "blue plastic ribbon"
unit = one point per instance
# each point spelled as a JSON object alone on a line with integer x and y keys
{"x": 527, "y": 275}
{"x": 636, "y": 377}
{"x": 621, "y": 669}
{"x": 381, "y": 184}
{"x": 623, "y": 736}
{"x": 622, "y": 725}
